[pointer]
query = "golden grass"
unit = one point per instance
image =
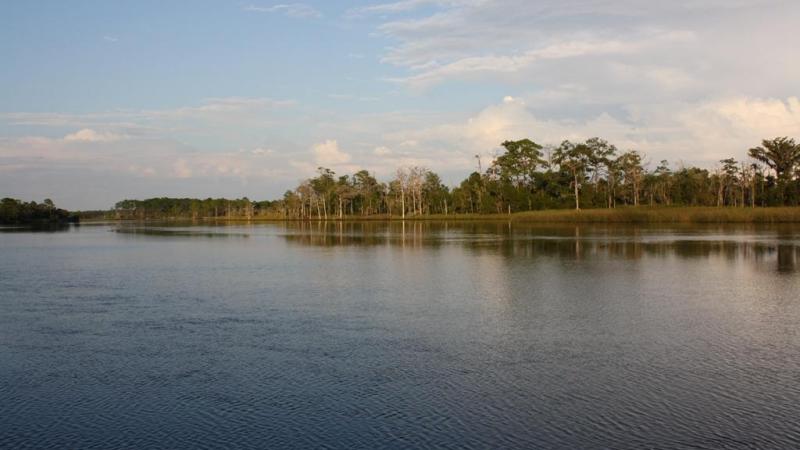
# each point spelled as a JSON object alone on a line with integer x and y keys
{"x": 626, "y": 214}
{"x": 623, "y": 215}
{"x": 665, "y": 215}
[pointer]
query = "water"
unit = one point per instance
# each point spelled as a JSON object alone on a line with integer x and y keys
{"x": 375, "y": 335}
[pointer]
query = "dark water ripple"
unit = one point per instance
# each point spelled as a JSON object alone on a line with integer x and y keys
{"x": 381, "y": 336}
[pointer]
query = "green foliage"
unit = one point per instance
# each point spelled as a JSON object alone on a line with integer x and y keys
{"x": 780, "y": 154}
{"x": 190, "y": 208}
{"x": 16, "y": 212}
{"x": 591, "y": 174}
{"x": 783, "y": 156}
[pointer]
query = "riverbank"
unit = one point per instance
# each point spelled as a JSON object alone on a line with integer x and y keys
{"x": 616, "y": 215}
{"x": 666, "y": 215}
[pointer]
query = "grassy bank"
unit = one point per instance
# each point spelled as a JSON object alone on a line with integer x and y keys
{"x": 665, "y": 215}
{"x": 619, "y": 215}
{"x": 685, "y": 215}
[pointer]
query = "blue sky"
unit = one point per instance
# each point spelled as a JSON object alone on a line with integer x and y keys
{"x": 101, "y": 101}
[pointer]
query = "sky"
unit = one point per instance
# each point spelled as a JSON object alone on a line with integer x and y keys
{"x": 102, "y": 101}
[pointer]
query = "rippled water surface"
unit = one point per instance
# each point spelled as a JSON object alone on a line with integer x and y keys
{"x": 378, "y": 335}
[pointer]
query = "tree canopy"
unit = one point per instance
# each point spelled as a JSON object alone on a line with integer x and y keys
{"x": 17, "y": 212}
{"x": 525, "y": 176}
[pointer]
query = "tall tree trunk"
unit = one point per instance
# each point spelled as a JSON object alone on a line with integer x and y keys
{"x": 577, "y": 195}
{"x": 402, "y": 203}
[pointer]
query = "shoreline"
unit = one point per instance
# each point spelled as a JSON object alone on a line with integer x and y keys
{"x": 632, "y": 215}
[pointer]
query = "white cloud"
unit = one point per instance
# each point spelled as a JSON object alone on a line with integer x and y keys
{"x": 381, "y": 151}
{"x": 262, "y": 151}
{"x": 327, "y": 153}
{"x": 181, "y": 169}
{"x": 140, "y": 171}
{"x": 701, "y": 132}
{"x": 729, "y": 126}
{"x": 295, "y": 10}
{"x": 89, "y": 135}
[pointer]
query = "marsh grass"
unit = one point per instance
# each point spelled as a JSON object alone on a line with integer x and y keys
{"x": 617, "y": 215}
{"x": 665, "y": 215}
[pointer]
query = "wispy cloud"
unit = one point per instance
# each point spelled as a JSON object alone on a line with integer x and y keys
{"x": 581, "y": 58}
{"x": 163, "y": 158}
{"x": 223, "y": 106}
{"x": 89, "y": 135}
{"x": 210, "y": 109}
{"x": 468, "y": 66}
{"x": 110, "y": 39}
{"x": 353, "y": 97}
{"x": 260, "y": 151}
{"x": 295, "y": 10}
{"x": 403, "y": 6}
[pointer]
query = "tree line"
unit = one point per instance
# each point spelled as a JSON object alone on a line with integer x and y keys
{"x": 165, "y": 207}
{"x": 525, "y": 176}
{"x": 17, "y": 212}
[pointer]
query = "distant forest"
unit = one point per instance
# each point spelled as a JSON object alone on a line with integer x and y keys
{"x": 16, "y": 212}
{"x": 525, "y": 177}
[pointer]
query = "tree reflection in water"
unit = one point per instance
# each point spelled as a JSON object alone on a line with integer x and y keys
{"x": 763, "y": 246}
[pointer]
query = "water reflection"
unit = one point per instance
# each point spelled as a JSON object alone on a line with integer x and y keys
{"x": 787, "y": 258}
{"x": 141, "y": 230}
{"x": 38, "y": 228}
{"x": 765, "y": 246}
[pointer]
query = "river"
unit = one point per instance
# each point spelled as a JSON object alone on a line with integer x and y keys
{"x": 400, "y": 335}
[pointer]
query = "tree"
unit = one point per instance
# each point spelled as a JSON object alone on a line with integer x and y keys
{"x": 729, "y": 181}
{"x": 13, "y": 211}
{"x": 518, "y": 165}
{"x": 368, "y": 190}
{"x": 345, "y": 194}
{"x": 323, "y": 186}
{"x": 574, "y": 158}
{"x": 415, "y": 181}
{"x": 631, "y": 165}
{"x": 601, "y": 155}
{"x": 435, "y": 193}
{"x": 663, "y": 182}
{"x": 292, "y": 205}
{"x": 402, "y": 182}
{"x": 782, "y": 155}
{"x": 520, "y": 161}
